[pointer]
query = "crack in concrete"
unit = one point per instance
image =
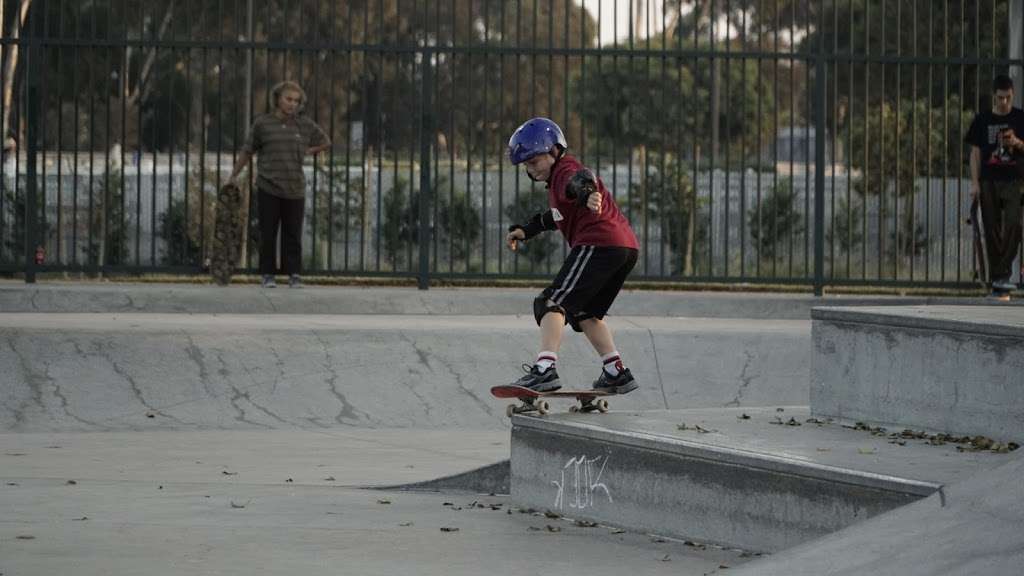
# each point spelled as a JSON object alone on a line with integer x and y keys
{"x": 239, "y": 394}
{"x": 657, "y": 367}
{"x": 745, "y": 381}
{"x": 425, "y": 357}
{"x": 348, "y": 410}
{"x": 104, "y": 351}
{"x": 196, "y": 355}
{"x": 31, "y": 377}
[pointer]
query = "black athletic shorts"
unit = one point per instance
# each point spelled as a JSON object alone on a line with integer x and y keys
{"x": 589, "y": 281}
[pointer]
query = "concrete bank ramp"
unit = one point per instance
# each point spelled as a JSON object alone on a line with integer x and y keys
{"x": 102, "y": 371}
{"x": 975, "y": 527}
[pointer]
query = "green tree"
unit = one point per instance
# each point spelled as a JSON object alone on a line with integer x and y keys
{"x": 776, "y": 222}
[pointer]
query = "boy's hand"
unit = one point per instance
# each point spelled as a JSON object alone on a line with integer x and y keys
{"x": 514, "y": 236}
{"x": 594, "y": 202}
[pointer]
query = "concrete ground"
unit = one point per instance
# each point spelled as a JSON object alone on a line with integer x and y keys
{"x": 290, "y": 502}
{"x": 200, "y": 443}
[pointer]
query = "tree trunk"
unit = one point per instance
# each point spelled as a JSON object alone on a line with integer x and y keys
{"x": 11, "y": 63}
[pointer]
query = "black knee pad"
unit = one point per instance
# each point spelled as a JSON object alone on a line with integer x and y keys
{"x": 541, "y": 307}
{"x": 575, "y": 319}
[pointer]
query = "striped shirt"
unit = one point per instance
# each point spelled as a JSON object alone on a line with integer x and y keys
{"x": 279, "y": 146}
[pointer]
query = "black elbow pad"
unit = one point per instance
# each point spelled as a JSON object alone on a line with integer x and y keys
{"x": 582, "y": 184}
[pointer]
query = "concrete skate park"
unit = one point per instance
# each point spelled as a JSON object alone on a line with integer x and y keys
{"x": 173, "y": 429}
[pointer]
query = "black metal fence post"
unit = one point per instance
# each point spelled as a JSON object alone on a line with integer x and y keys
{"x": 32, "y": 73}
{"x": 819, "y": 162}
{"x": 426, "y": 158}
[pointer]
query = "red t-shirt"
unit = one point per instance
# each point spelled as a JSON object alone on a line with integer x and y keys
{"x": 578, "y": 224}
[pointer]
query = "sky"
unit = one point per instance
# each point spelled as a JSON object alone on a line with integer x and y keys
{"x": 614, "y": 16}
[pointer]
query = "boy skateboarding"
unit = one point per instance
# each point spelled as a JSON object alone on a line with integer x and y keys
{"x": 603, "y": 251}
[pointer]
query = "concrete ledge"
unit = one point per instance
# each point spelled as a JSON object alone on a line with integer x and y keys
{"x": 952, "y": 369}
{"x": 745, "y": 483}
{"x": 63, "y": 297}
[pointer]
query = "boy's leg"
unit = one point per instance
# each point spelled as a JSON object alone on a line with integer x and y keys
{"x": 543, "y": 376}
{"x": 551, "y": 331}
{"x": 617, "y": 264}
{"x": 599, "y": 334}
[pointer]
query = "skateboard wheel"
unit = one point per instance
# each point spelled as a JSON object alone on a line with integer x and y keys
{"x": 542, "y": 406}
{"x": 574, "y": 409}
{"x": 602, "y": 405}
{"x": 510, "y": 410}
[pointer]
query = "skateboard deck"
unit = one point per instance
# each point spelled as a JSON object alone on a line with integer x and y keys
{"x": 227, "y": 234}
{"x": 533, "y": 401}
{"x": 981, "y": 268}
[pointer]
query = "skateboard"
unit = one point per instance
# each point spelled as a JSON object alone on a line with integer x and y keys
{"x": 532, "y": 401}
{"x": 227, "y": 234}
{"x": 981, "y": 268}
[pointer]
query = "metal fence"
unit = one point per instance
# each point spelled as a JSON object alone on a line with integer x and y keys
{"x": 814, "y": 143}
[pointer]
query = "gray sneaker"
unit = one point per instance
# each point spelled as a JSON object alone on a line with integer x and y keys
{"x": 620, "y": 384}
{"x": 534, "y": 379}
{"x": 294, "y": 281}
{"x": 268, "y": 281}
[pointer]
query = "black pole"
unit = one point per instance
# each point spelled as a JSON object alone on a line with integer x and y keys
{"x": 819, "y": 163}
{"x": 32, "y": 70}
{"x": 426, "y": 157}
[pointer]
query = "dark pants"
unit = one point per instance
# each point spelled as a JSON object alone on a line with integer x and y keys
{"x": 287, "y": 214}
{"x": 1000, "y": 211}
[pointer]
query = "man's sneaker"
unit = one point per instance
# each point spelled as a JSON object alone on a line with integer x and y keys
{"x": 294, "y": 281}
{"x": 620, "y": 384}
{"x": 268, "y": 281}
{"x": 1000, "y": 295}
{"x": 538, "y": 381}
{"x": 1003, "y": 285}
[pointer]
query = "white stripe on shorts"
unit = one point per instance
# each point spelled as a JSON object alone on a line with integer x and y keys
{"x": 574, "y": 275}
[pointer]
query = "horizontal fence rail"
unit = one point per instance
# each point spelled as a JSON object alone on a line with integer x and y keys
{"x": 747, "y": 141}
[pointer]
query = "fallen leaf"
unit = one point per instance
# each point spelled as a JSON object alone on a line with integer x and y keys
{"x": 82, "y": 519}
{"x": 449, "y": 529}
{"x": 780, "y": 409}
{"x": 405, "y": 524}
{"x": 551, "y": 514}
{"x": 25, "y": 537}
{"x": 744, "y": 416}
{"x": 658, "y": 540}
{"x": 226, "y": 473}
{"x": 585, "y": 524}
{"x": 329, "y": 479}
{"x": 865, "y": 450}
{"x": 533, "y": 529}
{"x": 289, "y": 480}
{"x": 383, "y": 501}
{"x": 553, "y": 528}
{"x": 824, "y": 449}
{"x": 234, "y": 505}
{"x": 71, "y": 483}
{"x": 618, "y": 531}
{"x": 666, "y": 558}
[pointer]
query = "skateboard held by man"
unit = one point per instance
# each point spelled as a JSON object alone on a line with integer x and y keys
{"x": 227, "y": 234}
